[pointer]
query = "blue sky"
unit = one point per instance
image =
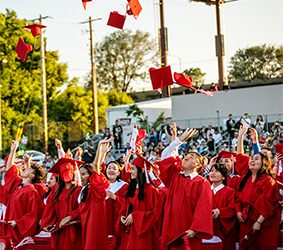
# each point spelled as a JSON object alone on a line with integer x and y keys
{"x": 191, "y": 28}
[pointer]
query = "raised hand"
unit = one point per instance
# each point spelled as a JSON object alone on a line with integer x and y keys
{"x": 27, "y": 159}
{"x": 14, "y": 145}
{"x": 69, "y": 154}
{"x": 79, "y": 153}
{"x": 254, "y": 135}
{"x": 173, "y": 130}
{"x": 58, "y": 143}
{"x": 243, "y": 130}
{"x": 187, "y": 134}
{"x": 105, "y": 145}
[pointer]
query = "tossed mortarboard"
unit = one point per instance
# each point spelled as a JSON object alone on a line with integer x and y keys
{"x": 23, "y": 49}
{"x": 35, "y": 29}
{"x": 227, "y": 155}
{"x": 116, "y": 20}
{"x": 134, "y": 8}
{"x": 183, "y": 80}
{"x": 161, "y": 77}
{"x": 65, "y": 167}
{"x": 84, "y": 3}
{"x": 187, "y": 81}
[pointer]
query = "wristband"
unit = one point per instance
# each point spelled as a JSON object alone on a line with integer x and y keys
{"x": 258, "y": 222}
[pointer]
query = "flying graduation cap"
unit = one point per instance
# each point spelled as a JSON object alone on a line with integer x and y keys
{"x": 23, "y": 49}
{"x": 116, "y": 20}
{"x": 35, "y": 28}
{"x": 84, "y": 3}
{"x": 134, "y": 8}
{"x": 161, "y": 77}
{"x": 187, "y": 81}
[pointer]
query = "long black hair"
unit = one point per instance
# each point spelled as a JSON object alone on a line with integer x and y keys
{"x": 140, "y": 181}
{"x": 88, "y": 167}
{"x": 264, "y": 169}
{"x": 61, "y": 185}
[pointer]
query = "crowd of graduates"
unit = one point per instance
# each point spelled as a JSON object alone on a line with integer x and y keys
{"x": 177, "y": 201}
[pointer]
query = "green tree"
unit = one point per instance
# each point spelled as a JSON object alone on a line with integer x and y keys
{"x": 123, "y": 57}
{"x": 21, "y": 82}
{"x": 197, "y": 75}
{"x": 257, "y": 62}
{"x": 116, "y": 98}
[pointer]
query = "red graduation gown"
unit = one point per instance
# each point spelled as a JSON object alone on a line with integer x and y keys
{"x": 113, "y": 208}
{"x": 23, "y": 206}
{"x": 69, "y": 237}
{"x": 260, "y": 198}
{"x": 145, "y": 215}
{"x": 93, "y": 214}
{"x": 224, "y": 200}
{"x": 188, "y": 204}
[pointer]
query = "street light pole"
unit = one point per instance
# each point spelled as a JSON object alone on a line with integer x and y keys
{"x": 163, "y": 41}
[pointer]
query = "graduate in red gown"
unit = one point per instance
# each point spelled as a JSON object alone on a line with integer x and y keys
{"x": 187, "y": 211}
{"x": 116, "y": 194}
{"x": 223, "y": 207}
{"x": 23, "y": 201}
{"x": 140, "y": 211}
{"x": 62, "y": 208}
{"x": 260, "y": 214}
{"x": 228, "y": 159}
{"x": 92, "y": 202}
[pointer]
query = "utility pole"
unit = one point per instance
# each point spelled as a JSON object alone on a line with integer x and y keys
{"x": 93, "y": 80}
{"x": 219, "y": 42}
{"x": 163, "y": 44}
{"x": 93, "y": 76}
{"x": 220, "y": 53}
{"x": 43, "y": 83}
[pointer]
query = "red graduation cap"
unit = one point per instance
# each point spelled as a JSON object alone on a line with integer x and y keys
{"x": 35, "y": 29}
{"x": 140, "y": 162}
{"x": 65, "y": 167}
{"x": 116, "y": 20}
{"x": 183, "y": 80}
{"x": 23, "y": 49}
{"x": 227, "y": 155}
{"x": 187, "y": 81}
{"x": 84, "y": 3}
{"x": 161, "y": 77}
{"x": 140, "y": 137}
{"x": 134, "y": 8}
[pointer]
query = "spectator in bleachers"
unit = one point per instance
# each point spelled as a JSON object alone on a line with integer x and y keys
{"x": 117, "y": 134}
{"x": 211, "y": 144}
{"x": 153, "y": 138}
{"x": 230, "y": 126}
{"x": 246, "y": 120}
{"x": 209, "y": 131}
{"x": 234, "y": 141}
{"x": 217, "y": 137}
{"x": 200, "y": 139}
{"x": 259, "y": 125}
{"x": 107, "y": 133}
